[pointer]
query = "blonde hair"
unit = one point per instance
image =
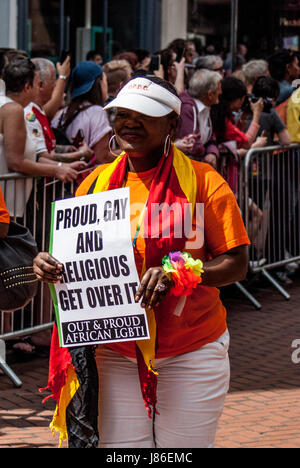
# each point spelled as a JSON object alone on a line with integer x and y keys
{"x": 117, "y": 72}
{"x": 240, "y": 75}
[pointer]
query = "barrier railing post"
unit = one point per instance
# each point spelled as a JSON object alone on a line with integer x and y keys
{"x": 5, "y": 368}
{"x": 274, "y": 184}
{"x": 38, "y": 316}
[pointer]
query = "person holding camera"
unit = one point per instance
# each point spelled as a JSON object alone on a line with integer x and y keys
{"x": 229, "y": 116}
{"x": 268, "y": 89}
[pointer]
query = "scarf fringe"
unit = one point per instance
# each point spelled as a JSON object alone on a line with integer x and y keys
{"x": 63, "y": 434}
{"x": 56, "y": 385}
{"x": 149, "y": 391}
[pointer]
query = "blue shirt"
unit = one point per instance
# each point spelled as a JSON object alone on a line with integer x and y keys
{"x": 286, "y": 90}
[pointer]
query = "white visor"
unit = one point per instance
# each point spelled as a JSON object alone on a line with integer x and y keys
{"x": 143, "y": 96}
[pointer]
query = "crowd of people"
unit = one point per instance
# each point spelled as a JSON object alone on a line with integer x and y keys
{"x": 67, "y": 131}
{"x": 146, "y": 116}
{"x": 218, "y": 105}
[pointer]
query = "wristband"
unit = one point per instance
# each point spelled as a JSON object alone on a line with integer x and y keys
{"x": 63, "y": 77}
{"x": 184, "y": 271}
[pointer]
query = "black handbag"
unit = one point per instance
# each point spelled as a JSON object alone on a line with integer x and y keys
{"x": 18, "y": 283}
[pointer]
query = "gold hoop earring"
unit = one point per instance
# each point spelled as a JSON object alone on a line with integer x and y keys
{"x": 110, "y": 145}
{"x": 167, "y": 146}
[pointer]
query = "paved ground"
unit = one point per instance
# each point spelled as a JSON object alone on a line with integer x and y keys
{"x": 262, "y": 408}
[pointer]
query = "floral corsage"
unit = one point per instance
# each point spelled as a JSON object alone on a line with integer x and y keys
{"x": 184, "y": 271}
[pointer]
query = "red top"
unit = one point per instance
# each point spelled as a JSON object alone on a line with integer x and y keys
{"x": 4, "y": 215}
{"x": 47, "y": 130}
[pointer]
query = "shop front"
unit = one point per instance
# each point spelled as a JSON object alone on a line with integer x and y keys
{"x": 46, "y": 28}
{"x": 262, "y": 25}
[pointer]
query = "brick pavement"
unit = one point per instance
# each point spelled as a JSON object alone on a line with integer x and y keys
{"x": 263, "y": 405}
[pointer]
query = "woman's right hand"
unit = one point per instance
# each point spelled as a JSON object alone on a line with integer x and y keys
{"x": 47, "y": 269}
{"x": 66, "y": 173}
{"x": 88, "y": 153}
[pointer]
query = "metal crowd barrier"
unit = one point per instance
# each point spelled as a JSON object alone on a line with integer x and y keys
{"x": 271, "y": 209}
{"x": 28, "y": 201}
{"x": 266, "y": 185}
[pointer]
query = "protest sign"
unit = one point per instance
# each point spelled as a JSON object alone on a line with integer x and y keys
{"x": 94, "y": 303}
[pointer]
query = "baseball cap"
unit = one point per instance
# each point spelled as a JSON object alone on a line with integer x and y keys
{"x": 146, "y": 97}
{"x": 84, "y": 77}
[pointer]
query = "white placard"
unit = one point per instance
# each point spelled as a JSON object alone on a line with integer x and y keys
{"x": 91, "y": 237}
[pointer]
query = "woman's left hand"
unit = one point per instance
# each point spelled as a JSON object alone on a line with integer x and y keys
{"x": 153, "y": 288}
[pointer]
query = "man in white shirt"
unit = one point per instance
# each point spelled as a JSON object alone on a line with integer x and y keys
{"x": 204, "y": 121}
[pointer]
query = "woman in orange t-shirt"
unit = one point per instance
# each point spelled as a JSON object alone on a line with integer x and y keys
{"x": 191, "y": 336}
{"x": 4, "y": 217}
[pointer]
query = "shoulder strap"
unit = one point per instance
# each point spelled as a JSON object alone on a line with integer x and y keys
{"x": 63, "y": 126}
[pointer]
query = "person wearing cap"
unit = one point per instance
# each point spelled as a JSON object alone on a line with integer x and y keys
{"x": 182, "y": 371}
{"x": 39, "y": 126}
{"x": 85, "y": 111}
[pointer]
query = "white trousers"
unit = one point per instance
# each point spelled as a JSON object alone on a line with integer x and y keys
{"x": 191, "y": 392}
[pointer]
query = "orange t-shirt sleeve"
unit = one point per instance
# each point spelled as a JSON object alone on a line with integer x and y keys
{"x": 223, "y": 224}
{"x": 4, "y": 214}
{"x": 224, "y": 228}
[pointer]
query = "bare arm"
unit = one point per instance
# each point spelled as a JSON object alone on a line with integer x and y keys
{"x": 179, "y": 83}
{"x": 14, "y": 124}
{"x": 57, "y": 98}
{"x": 226, "y": 269}
{"x": 284, "y": 137}
{"x": 223, "y": 270}
{"x": 64, "y": 155}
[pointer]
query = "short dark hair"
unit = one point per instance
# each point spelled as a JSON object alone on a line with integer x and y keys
{"x": 92, "y": 54}
{"x": 12, "y": 54}
{"x": 279, "y": 61}
{"x": 141, "y": 53}
{"x": 266, "y": 87}
{"x": 232, "y": 88}
{"x": 17, "y": 74}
